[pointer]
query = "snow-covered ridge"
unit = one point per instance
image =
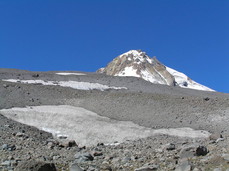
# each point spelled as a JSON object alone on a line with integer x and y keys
{"x": 71, "y": 84}
{"x": 185, "y": 82}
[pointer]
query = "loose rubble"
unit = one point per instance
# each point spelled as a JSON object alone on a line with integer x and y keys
{"x": 24, "y": 147}
{"x": 29, "y": 145}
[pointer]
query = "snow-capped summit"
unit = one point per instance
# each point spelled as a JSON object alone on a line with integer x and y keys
{"x": 137, "y": 63}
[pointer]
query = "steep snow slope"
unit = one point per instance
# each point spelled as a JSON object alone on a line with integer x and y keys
{"x": 184, "y": 81}
{"x": 138, "y": 64}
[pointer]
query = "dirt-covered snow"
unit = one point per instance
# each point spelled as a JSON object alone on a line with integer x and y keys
{"x": 88, "y": 128}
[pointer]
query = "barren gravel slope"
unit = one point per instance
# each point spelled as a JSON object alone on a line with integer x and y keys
{"x": 144, "y": 103}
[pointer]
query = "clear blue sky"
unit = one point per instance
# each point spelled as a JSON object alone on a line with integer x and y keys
{"x": 191, "y": 36}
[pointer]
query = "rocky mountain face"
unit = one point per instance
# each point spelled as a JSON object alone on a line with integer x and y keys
{"x": 137, "y": 63}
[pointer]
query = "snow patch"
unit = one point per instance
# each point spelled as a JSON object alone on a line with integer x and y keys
{"x": 68, "y": 73}
{"x": 161, "y": 82}
{"x": 149, "y": 60}
{"x": 128, "y": 71}
{"x": 89, "y": 128}
{"x": 150, "y": 77}
{"x": 182, "y": 79}
{"x": 71, "y": 84}
{"x": 183, "y": 132}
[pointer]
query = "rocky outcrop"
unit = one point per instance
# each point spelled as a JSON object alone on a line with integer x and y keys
{"x": 138, "y": 64}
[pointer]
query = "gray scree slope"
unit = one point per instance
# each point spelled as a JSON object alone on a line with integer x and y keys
{"x": 143, "y": 103}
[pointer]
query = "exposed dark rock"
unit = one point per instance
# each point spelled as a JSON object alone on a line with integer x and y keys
{"x": 97, "y": 153}
{"x": 67, "y": 143}
{"x": 185, "y": 83}
{"x": 170, "y": 146}
{"x": 71, "y": 143}
{"x": 201, "y": 151}
{"x": 62, "y": 137}
{"x": 206, "y": 98}
{"x": 35, "y": 75}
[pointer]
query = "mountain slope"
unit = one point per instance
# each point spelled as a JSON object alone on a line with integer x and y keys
{"x": 138, "y": 64}
{"x": 170, "y": 116}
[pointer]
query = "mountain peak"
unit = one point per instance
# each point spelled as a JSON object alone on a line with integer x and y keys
{"x": 134, "y": 52}
{"x": 137, "y": 56}
{"x": 137, "y": 63}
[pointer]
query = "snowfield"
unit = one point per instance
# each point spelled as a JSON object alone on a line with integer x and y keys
{"x": 181, "y": 78}
{"x": 68, "y": 73}
{"x": 89, "y": 128}
{"x": 71, "y": 84}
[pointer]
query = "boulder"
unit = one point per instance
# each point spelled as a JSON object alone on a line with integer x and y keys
{"x": 206, "y": 98}
{"x": 71, "y": 143}
{"x": 201, "y": 151}
{"x": 35, "y": 75}
{"x": 170, "y": 146}
{"x": 97, "y": 153}
{"x": 82, "y": 157}
{"x": 66, "y": 143}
